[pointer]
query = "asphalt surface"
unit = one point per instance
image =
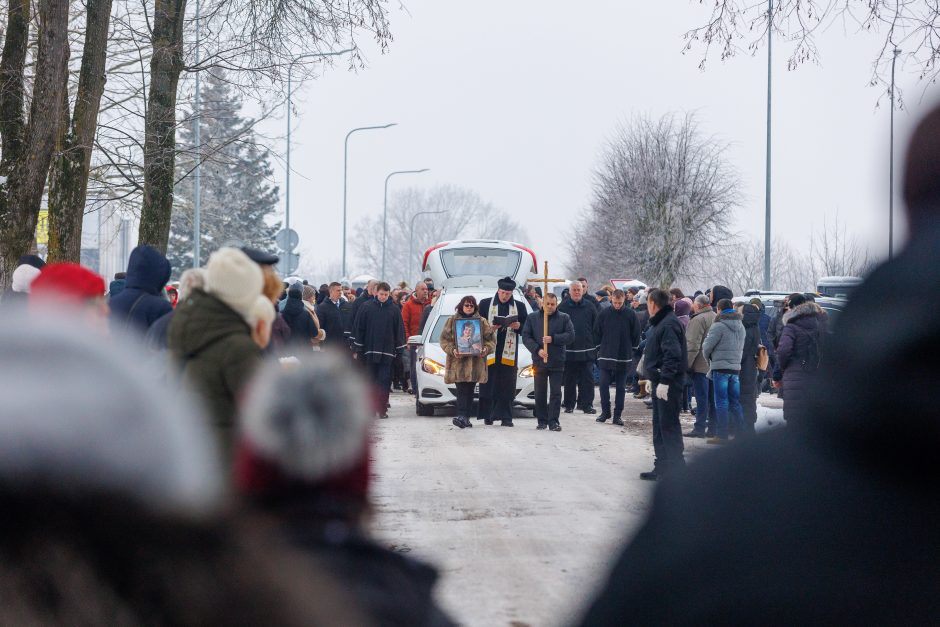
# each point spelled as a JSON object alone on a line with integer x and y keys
{"x": 522, "y": 524}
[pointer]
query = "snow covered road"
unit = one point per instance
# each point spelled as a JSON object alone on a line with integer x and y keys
{"x": 522, "y": 523}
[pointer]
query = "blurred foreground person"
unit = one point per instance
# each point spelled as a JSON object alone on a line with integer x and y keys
{"x": 833, "y": 520}
{"x": 110, "y": 493}
{"x": 210, "y": 336}
{"x": 71, "y": 290}
{"x": 303, "y": 469}
{"x": 23, "y": 275}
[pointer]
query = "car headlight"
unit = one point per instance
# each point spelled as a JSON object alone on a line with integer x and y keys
{"x": 432, "y": 367}
{"x": 528, "y": 372}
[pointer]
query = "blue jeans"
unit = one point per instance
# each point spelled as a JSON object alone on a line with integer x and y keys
{"x": 705, "y": 412}
{"x": 728, "y": 403}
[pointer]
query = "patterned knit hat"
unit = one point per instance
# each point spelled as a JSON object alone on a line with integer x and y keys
{"x": 305, "y": 426}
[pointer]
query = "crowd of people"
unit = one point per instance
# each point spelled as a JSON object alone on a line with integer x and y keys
{"x": 176, "y": 456}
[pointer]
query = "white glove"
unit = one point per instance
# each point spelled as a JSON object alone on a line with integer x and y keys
{"x": 662, "y": 392}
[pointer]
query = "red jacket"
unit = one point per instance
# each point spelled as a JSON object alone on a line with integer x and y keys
{"x": 411, "y": 313}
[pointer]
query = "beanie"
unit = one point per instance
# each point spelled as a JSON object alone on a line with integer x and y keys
{"x": 293, "y": 434}
{"x": 23, "y": 276}
{"x": 235, "y": 279}
{"x": 107, "y": 426}
{"x": 68, "y": 282}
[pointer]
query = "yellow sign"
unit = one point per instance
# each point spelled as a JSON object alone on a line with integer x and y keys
{"x": 42, "y": 228}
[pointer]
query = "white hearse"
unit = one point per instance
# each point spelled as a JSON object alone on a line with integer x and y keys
{"x": 460, "y": 268}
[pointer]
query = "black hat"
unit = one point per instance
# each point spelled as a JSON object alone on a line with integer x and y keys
{"x": 260, "y": 257}
{"x": 601, "y": 293}
{"x": 507, "y": 284}
{"x": 31, "y": 260}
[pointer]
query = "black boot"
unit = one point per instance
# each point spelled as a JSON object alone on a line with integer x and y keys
{"x": 649, "y": 476}
{"x": 617, "y": 421}
{"x": 467, "y": 423}
{"x": 603, "y": 417}
{"x": 458, "y": 422}
{"x": 541, "y": 426}
{"x": 506, "y": 423}
{"x": 554, "y": 426}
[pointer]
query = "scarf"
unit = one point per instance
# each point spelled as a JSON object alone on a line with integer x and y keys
{"x": 508, "y": 357}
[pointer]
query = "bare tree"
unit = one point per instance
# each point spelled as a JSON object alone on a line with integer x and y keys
{"x": 835, "y": 252}
{"x": 28, "y": 143}
{"x": 742, "y": 25}
{"x": 467, "y": 217}
{"x": 663, "y": 197}
{"x": 739, "y": 265}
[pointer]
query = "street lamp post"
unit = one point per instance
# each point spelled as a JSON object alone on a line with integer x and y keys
{"x": 345, "y": 168}
{"x": 197, "y": 138}
{"x": 385, "y": 212}
{"x": 411, "y": 235}
{"x": 290, "y": 69}
{"x": 894, "y": 59}
{"x": 770, "y": 38}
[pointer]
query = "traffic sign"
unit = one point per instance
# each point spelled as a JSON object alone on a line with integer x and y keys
{"x": 287, "y": 239}
{"x": 288, "y": 263}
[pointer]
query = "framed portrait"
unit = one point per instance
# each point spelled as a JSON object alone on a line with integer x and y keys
{"x": 469, "y": 337}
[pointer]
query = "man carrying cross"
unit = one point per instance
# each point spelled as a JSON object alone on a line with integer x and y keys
{"x": 506, "y": 315}
{"x": 548, "y": 358}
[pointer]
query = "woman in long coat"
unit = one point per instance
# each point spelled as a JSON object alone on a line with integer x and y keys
{"x": 466, "y": 371}
{"x": 799, "y": 352}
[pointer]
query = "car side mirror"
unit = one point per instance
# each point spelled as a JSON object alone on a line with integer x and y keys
{"x": 416, "y": 340}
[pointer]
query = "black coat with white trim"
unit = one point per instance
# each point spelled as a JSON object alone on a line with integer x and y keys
{"x": 583, "y": 314}
{"x": 380, "y": 332}
{"x": 617, "y": 334}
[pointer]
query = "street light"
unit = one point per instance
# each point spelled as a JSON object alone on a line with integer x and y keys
{"x": 770, "y": 38}
{"x": 197, "y": 139}
{"x": 290, "y": 69}
{"x": 411, "y": 236}
{"x": 894, "y": 59}
{"x": 345, "y": 163}
{"x": 385, "y": 212}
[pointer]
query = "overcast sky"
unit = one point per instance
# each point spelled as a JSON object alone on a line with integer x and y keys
{"x": 515, "y": 101}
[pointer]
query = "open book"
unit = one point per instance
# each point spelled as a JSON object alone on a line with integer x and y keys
{"x": 505, "y": 321}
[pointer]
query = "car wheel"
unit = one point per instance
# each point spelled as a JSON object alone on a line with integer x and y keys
{"x": 423, "y": 410}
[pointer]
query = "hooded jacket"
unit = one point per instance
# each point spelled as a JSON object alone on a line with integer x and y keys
{"x": 563, "y": 335}
{"x": 665, "y": 356}
{"x": 302, "y": 327}
{"x": 800, "y": 349}
{"x": 379, "y": 333}
{"x": 212, "y": 345}
{"x": 724, "y": 343}
{"x": 582, "y": 314}
{"x": 141, "y": 302}
{"x": 617, "y": 335}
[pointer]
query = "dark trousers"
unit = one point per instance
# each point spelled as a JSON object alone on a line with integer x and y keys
{"x": 706, "y": 414}
{"x": 497, "y": 394}
{"x": 667, "y": 431}
{"x": 748, "y": 399}
{"x": 619, "y": 378}
{"x": 413, "y": 362}
{"x": 579, "y": 384}
{"x": 381, "y": 376}
{"x": 548, "y": 395}
{"x": 465, "y": 398}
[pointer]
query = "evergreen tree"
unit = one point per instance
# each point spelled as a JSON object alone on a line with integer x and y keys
{"x": 238, "y": 199}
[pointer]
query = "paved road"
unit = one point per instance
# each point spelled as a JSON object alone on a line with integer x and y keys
{"x": 521, "y": 523}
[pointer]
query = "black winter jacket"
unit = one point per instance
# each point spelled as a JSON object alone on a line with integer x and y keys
{"x": 617, "y": 335}
{"x": 380, "y": 332}
{"x": 752, "y": 341}
{"x": 563, "y": 335}
{"x": 141, "y": 302}
{"x": 302, "y": 327}
{"x": 331, "y": 320}
{"x": 665, "y": 355}
{"x": 583, "y": 314}
{"x": 354, "y": 309}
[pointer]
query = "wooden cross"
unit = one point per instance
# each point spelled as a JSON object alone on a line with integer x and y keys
{"x": 545, "y": 283}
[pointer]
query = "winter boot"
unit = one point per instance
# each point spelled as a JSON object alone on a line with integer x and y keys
{"x": 458, "y": 422}
{"x": 467, "y": 423}
{"x": 542, "y": 426}
{"x": 589, "y": 410}
{"x": 506, "y": 423}
{"x": 651, "y": 475}
{"x": 603, "y": 417}
{"x": 554, "y": 426}
{"x": 617, "y": 421}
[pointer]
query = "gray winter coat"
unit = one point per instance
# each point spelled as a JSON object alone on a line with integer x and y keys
{"x": 724, "y": 343}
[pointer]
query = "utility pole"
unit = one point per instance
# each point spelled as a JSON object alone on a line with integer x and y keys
{"x": 770, "y": 38}
{"x": 894, "y": 60}
{"x": 197, "y": 176}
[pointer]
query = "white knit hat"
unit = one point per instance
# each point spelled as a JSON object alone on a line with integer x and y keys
{"x": 83, "y": 416}
{"x": 23, "y": 277}
{"x": 234, "y": 279}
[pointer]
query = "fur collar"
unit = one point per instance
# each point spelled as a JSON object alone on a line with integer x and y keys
{"x": 730, "y": 316}
{"x": 800, "y": 311}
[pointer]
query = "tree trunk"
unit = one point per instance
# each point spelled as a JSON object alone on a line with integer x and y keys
{"x": 166, "y": 64}
{"x": 25, "y": 162}
{"x": 68, "y": 186}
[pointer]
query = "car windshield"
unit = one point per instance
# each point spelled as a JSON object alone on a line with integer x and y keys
{"x": 438, "y": 328}
{"x": 493, "y": 262}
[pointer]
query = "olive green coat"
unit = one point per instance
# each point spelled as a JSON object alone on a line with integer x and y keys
{"x": 466, "y": 369}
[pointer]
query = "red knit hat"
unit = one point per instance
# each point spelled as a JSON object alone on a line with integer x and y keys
{"x": 68, "y": 282}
